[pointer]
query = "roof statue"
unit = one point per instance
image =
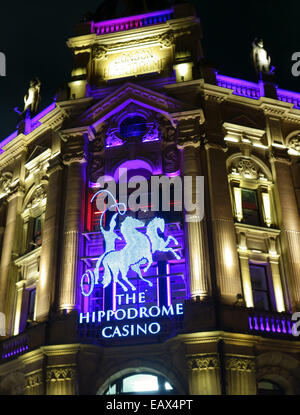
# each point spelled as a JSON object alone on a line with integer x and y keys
{"x": 261, "y": 58}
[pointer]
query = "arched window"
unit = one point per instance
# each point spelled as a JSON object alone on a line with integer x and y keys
{"x": 140, "y": 383}
{"x": 133, "y": 126}
{"x": 267, "y": 387}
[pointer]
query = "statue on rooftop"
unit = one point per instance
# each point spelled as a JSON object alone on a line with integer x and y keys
{"x": 33, "y": 97}
{"x": 31, "y": 100}
{"x": 261, "y": 58}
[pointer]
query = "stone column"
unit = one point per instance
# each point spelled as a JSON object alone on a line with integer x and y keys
{"x": 277, "y": 284}
{"x": 289, "y": 220}
{"x": 195, "y": 227}
{"x": 204, "y": 375}
{"x": 11, "y": 238}
{"x": 50, "y": 245}
{"x": 18, "y": 306}
{"x": 224, "y": 233}
{"x": 240, "y": 376}
{"x": 73, "y": 226}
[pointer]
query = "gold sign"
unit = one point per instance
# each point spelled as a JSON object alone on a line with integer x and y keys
{"x": 131, "y": 63}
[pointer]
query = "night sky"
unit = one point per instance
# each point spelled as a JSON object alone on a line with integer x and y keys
{"x": 33, "y": 37}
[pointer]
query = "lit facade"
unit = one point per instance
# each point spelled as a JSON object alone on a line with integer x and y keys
{"x": 211, "y": 316}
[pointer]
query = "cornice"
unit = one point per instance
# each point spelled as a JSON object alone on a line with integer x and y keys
{"x": 269, "y": 106}
{"x": 133, "y": 35}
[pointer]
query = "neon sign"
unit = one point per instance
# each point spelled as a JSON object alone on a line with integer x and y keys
{"x": 138, "y": 251}
{"x": 133, "y": 329}
{"x": 140, "y": 246}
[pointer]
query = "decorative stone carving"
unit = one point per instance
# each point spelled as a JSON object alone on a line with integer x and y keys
{"x": 203, "y": 362}
{"x": 171, "y": 159}
{"x": 294, "y": 145}
{"x": 34, "y": 379}
{"x": 5, "y": 182}
{"x": 239, "y": 363}
{"x": 189, "y": 132}
{"x": 77, "y": 157}
{"x": 167, "y": 131}
{"x": 38, "y": 195}
{"x": 247, "y": 169}
{"x": 99, "y": 52}
{"x": 60, "y": 373}
{"x": 167, "y": 40}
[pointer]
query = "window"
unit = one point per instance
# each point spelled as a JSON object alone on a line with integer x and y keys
{"x": 142, "y": 383}
{"x": 266, "y": 387}
{"x": 133, "y": 127}
{"x": 260, "y": 287}
{"x": 31, "y": 304}
{"x": 37, "y": 231}
{"x": 250, "y": 207}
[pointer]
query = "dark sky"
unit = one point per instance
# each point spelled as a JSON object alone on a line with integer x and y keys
{"x": 33, "y": 36}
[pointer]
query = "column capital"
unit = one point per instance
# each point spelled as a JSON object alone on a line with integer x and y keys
{"x": 55, "y": 164}
{"x": 76, "y": 157}
{"x": 17, "y": 190}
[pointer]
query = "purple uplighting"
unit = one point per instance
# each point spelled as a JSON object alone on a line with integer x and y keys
{"x": 265, "y": 323}
{"x": 33, "y": 124}
{"x": 132, "y": 22}
{"x": 255, "y": 91}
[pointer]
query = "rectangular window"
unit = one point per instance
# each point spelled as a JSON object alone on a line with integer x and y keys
{"x": 37, "y": 232}
{"x": 250, "y": 207}
{"x": 31, "y": 304}
{"x": 260, "y": 287}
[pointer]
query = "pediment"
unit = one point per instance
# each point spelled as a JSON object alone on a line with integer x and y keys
{"x": 244, "y": 121}
{"x": 127, "y": 95}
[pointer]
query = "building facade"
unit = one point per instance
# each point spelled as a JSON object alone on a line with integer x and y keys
{"x": 209, "y": 310}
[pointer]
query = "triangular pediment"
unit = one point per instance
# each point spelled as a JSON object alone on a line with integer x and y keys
{"x": 38, "y": 150}
{"x": 126, "y": 95}
{"x": 244, "y": 121}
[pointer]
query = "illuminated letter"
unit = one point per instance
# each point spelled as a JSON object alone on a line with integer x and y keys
{"x": 100, "y": 315}
{"x": 123, "y": 312}
{"x": 119, "y": 296}
{"x": 154, "y": 328}
{"x": 129, "y": 316}
{"x": 143, "y": 312}
{"x": 110, "y": 313}
{"x": 116, "y": 332}
{"x": 104, "y": 332}
{"x": 128, "y": 298}
{"x": 142, "y": 298}
{"x": 125, "y": 330}
{"x": 166, "y": 311}
{"x": 157, "y": 311}
{"x": 140, "y": 328}
{"x": 82, "y": 317}
{"x": 179, "y": 308}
